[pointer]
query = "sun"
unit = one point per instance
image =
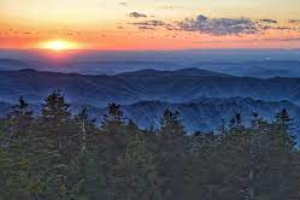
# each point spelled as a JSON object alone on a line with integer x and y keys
{"x": 59, "y": 45}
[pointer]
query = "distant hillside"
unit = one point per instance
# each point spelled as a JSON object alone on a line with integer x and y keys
{"x": 208, "y": 113}
{"x": 202, "y": 114}
{"x": 268, "y": 73}
{"x": 178, "y": 86}
{"x": 12, "y": 64}
{"x": 176, "y": 73}
{"x": 270, "y": 68}
{"x": 4, "y": 108}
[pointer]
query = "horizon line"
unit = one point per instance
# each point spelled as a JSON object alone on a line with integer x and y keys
{"x": 143, "y": 50}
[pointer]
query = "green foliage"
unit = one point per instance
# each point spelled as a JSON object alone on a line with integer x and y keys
{"x": 113, "y": 121}
{"x": 60, "y": 156}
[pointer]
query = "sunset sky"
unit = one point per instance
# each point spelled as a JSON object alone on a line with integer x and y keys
{"x": 150, "y": 24}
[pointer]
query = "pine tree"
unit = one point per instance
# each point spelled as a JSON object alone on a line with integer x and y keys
{"x": 57, "y": 156}
{"x": 20, "y": 118}
{"x": 56, "y": 136}
{"x": 56, "y": 117}
{"x": 22, "y": 153}
{"x": 236, "y": 122}
{"x": 283, "y": 138}
{"x": 172, "y": 142}
{"x": 113, "y": 121}
{"x": 132, "y": 127}
{"x": 283, "y": 143}
{"x": 86, "y": 127}
{"x": 171, "y": 126}
{"x": 55, "y": 111}
{"x": 136, "y": 171}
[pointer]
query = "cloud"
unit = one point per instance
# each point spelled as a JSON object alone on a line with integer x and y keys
{"x": 123, "y": 3}
{"x": 208, "y": 42}
{"x": 270, "y": 21}
{"x": 294, "y": 21}
{"x": 146, "y": 28}
{"x": 289, "y": 39}
{"x": 150, "y": 24}
{"x": 219, "y": 26}
{"x": 137, "y": 15}
{"x": 276, "y": 39}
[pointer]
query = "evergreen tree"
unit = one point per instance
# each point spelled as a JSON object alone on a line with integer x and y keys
{"x": 57, "y": 156}
{"x": 22, "y": 115}
{"x": 56, "y": 117}
{"x": 236, "y": 122}
{"x": 284, "y": 141}
{"x": 132, "y": 127}
{"x": 113, "y": 121}
{"x": 22, "y": 153}
{"x": 55, "y": 111}
{"x": 172, "y": 142}
{"x": 136, "y": 171}
{"x": 19, "y": 119}
{"x": 257, "y": 121}
{"x": 171, "y": 126}
{"x": 56, "y": 134}
{"x": 86, "y": 126}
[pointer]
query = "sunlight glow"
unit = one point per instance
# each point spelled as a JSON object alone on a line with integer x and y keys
{"x": 60, "y": 45}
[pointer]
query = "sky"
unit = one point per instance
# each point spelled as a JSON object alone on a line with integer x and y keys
{"x": 150, "y": 24}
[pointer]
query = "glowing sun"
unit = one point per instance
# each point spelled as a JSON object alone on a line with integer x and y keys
{"x": 60, "y": 45}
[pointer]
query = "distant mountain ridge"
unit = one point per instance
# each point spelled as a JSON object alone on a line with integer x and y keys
{"x": 12, "y": 64}
{"x": 253, "y": 63}
{"x": 203, "y": 98}
{"x": 205, "y": 114}
{"x": 171, "y": 86}
{"x": 175, "y": 73}
{"x": 209, "y": 114}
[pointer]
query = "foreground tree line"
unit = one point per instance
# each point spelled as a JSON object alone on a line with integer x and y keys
{"x": 60, "y": 156}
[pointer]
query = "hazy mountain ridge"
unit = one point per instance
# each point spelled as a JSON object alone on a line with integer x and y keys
{"x": 128, "y": 89}
{"x": 207, "y": 114}
{"x": 176, "y": 73}
{"x": 203, "y": 98}
{"x": 238, "y": 62}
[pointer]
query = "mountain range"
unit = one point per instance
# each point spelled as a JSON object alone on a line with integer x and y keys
{"x": 242, "y": 63}
{"x": 171, "y": 86}
{"x": 204, "y": 98}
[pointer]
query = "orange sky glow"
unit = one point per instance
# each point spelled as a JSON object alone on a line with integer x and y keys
{"x": 152, "y": 25}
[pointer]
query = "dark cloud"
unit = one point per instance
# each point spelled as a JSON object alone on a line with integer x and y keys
{"x": 294, "y": 21}
{"x": 171, "y": 27}
{"x": 270, "y": 21}
{"x": 284, "y": 39}
{"x": 137, "y": 15}
{"x": 284, "y": 28}
{"x": 123, "y": 3}
{"x": 146, "y": 28}
{"x": 208, "y": 42}
{"x": 290, "y": 39}
{"x": 219, "y": 26}
{"x": 150, "y": 24}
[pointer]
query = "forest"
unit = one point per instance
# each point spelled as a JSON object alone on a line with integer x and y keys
{"x": 56, "y": 154}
